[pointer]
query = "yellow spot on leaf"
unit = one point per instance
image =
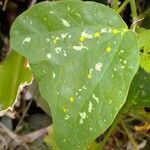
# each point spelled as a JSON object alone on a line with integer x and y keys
{"x": 54, "y": 41}
{"x": 115, "y": 31}
{"x": 108, "y": 49}
{"x": 71, "y": 99}
{"x": 89, "y": 76}
{"x": 82, "y": 39}
{"x": 125, "y": 30}
{"x": 96, "y": 35}
{"x": 65, "y": 110}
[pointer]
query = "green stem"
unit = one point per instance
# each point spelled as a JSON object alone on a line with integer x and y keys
{"x": 133, "y": 9}
{"x": 99, "y": 146}
{"x": 135, "y": 147}
{"x": 23, "y": 116}
{"x": 111, "y": 129}
{"x": 115, "y": 5}
{"x": 123, "y": 6}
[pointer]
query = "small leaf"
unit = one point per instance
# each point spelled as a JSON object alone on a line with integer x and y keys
{"x": 84, "y": 59}
{"x": 13, "y": 76}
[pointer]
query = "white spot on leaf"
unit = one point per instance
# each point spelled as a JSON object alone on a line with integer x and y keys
{"x": 49, "y": 56}
{"x": 65, "y": 22}
{"x": 105, "y": 30}
{"x": 110, "y": 101}
{"x": 112, "y": 76}
{"x": 69, "y": 36}
{"x": 90, "y": 108}
{"x": 67, "y": 117}
{"x": 58, "y": 50}
{"x": 125, "y": 62}
{"x": 84, "y": 87}
{"x": 47, "y": 39}
{"x": 64, "y": 53}
{"x": 91, "y": 129}
{"x": 122, "y": 51}
{"x": 80, "y": 47}
{"x": 91, "y": 70}
{"x": 54, "y": 75}
{"x": 78, "y": 15}
{"x": 98, "y": 66}
{"x": 115, "y": 69}
{"x": 64, "y": 35}
{"x": 83, "y": 117}
{"x": 68, "y": 8}
{"x": 51, "y": 12}
{"x": 27, "y": 39}
{"x": 122, "y": 67}
{"x": 95, "y": 98}
{"x": 86, "y": 35}
{"x": 80, "y": 90}
{"x": 57, "y": 38}
{"x": 76, "y": 93}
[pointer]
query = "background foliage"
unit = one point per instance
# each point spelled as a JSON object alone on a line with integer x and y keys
{"x": 133, "y": 118}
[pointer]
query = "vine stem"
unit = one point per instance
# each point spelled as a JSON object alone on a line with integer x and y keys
{"x": 110, "y": 131}
{"x": 4, "y": 6}
{"x": 122, "y": 6}
{"x": 115, "y": 5}
{"x": 133, "y": 9}
{"x": 99, "y": 146}
{"x": 23, "y": 116}
{"x": 135, "y": 147}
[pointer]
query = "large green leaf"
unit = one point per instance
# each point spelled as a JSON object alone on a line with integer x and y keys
{"x": 13, "y": 76}
{"x": 139, "y": 94}
{"x": 84, "y": 59}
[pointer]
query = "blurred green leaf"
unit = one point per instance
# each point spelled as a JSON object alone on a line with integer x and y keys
{"x": 13, "y": 76}
{"x": 144, "y": 39}
{"x": 145, "y": 16}
{"x": 144, "y": 43}
{"x": 145, "y": 62}
{"x": 84, "y": 59}
{"x": 139, "y": 93}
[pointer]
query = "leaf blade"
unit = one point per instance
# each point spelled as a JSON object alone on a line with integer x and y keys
{"x": 74, "y": 57}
